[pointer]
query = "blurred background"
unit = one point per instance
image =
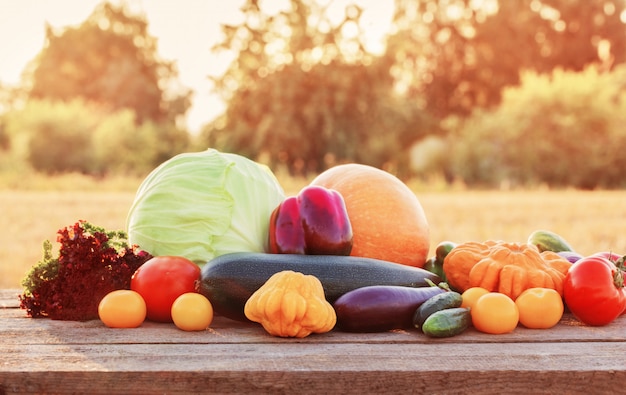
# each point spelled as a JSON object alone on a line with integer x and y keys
{"x": 479, "y": 93}
{"x": 503, "y": 116}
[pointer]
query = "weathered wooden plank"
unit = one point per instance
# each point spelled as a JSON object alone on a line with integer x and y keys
{"x": 454, "y": 368}
{"x": 43, "y": 355}
{"x": 315, "y": 382}
{"x": 16, "y": 327}
{"x": 9, "y": 298}
{"x": 363, "y": 357}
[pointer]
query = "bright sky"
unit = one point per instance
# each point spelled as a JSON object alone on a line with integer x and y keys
{"x": 185, "y": 29}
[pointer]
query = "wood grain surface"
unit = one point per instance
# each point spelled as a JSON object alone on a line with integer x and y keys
{"x": 47, "y": 356}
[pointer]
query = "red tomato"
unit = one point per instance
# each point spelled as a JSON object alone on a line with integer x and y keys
{"x": 594, "y": 290}
{"x": 611, "y": 256}
{"x": 161, "y": 280}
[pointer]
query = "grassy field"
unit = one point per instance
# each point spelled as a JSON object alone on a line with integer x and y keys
{"x": 590, "y": 221}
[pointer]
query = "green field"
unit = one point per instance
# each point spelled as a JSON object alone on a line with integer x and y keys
{"x": 590, "y": 221}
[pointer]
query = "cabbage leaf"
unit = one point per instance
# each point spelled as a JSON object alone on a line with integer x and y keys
{"x": 201, "y": 205}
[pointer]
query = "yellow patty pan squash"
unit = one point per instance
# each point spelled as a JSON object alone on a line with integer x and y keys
{"x": 291, "y": 304}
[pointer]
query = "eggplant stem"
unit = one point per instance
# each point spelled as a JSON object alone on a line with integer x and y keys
{"x": 442, "y": 285}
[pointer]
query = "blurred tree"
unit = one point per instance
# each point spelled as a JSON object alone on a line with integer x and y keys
{"x": 119, "y": 146}
{"x": 10, "y": 98}
{"x": 109, "y": 59}
{"x": 303, "y": 92}
{"x": 560, "y": 129}
{"x": 4, "y": 136}
{"x": 54, "y": 136}
{"x": 461, "y": 53}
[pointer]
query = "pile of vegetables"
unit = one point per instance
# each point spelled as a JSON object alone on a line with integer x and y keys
{"x": 211, "y": 232}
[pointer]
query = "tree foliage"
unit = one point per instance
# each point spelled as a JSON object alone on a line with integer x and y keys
{"x": 109, "y": 59}
{"x": 303, "y": 92}
{"x": 98, "y": 101}
{"x": 486, "y": 91}
{"x": 561, "y": 129}
{"x": 460, "y": 54}
{"x": 302, "y": 89}
{"x": 53, "y": 136}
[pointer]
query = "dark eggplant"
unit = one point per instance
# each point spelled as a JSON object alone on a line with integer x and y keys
{"x": 380, "y": 308}
{"x": 571, "y": 256}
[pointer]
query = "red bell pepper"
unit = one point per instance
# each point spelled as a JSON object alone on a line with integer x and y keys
{"x": 314, "y": 222}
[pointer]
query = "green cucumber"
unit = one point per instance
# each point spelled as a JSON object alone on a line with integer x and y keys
{"x": 446, "y": 300}
{"x": 435, "y": 267}
{"x": 448, "y": 322}
{"x": 229, "y": 280}
{"x": 443, "y": 249}
{"x": 435, "y": 263}
{"x": 546, "y": 240}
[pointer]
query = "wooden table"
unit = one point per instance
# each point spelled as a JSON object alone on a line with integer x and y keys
{"x": 47, "y": 356}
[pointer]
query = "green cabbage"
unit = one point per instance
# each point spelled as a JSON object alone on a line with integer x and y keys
{"x": 204, "y": 204}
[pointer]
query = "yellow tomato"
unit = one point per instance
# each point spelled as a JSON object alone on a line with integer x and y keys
{"x": 122, "y": 309}
{"x": 471, "y": 295}
{"x": 539, "y": 308}
{"x": 192, "y": 311}
{"x": 494, "y": 313}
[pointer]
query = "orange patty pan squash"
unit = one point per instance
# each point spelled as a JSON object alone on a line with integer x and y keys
{"x": 509, "y": 268}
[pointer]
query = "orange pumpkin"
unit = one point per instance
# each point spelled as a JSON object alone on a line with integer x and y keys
{"x": 509, "y": 268}
{"x": 388, "y": 221}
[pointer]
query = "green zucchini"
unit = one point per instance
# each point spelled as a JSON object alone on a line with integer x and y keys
{"x": 446, "y": 300}
{"x": 546, "y": 240}
{"x": 229, "y": 280}
{"x": 447, "y": 322}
